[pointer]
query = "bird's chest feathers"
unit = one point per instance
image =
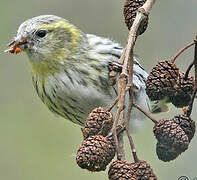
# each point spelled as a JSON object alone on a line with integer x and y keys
{"x": 65, "y": 93}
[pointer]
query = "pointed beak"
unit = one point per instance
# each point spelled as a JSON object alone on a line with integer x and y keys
{"x": 16, "y": 46}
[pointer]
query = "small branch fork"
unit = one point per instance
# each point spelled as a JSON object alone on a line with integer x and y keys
{"x": 126, "y": 80}
{"x": 189, "y": 110}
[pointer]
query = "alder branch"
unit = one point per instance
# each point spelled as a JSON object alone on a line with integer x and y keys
{"x": 188, "y": 70}
{"x": 127, "y": 126}
{"x": 189, "y": 111}
{"x": 145, "y": 113}
{"x": 112, "y": 105}
{"x": 127, "y": 60}
{"x": 181, "y": 51}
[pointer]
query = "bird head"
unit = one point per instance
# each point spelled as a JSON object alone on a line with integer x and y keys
{"x": 46, "y": 38}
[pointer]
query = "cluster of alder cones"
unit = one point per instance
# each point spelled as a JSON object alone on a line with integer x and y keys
{"x": 166, "y": 82}
{"x": 173, "y": 135}
{"x": 98, "y": 149}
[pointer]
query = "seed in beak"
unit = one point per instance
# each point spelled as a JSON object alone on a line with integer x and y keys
{"x": 13, "y": 50}
{"x": 17, "y": 50}
{"x": 15, "y": 46}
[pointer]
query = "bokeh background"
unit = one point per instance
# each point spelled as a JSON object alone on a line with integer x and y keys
{"x": 36, "y": 145}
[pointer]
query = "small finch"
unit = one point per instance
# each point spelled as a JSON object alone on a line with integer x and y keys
{"x": 70, "y": 68}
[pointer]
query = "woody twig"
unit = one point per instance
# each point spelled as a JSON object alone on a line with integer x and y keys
{"x": 125, "y": 76}
{"x": 189, "y": 111}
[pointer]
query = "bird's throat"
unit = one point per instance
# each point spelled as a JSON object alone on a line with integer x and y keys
{"x": 43, "y": 68}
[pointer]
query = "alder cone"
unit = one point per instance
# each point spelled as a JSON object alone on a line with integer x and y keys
{"x": 95, "y": 153}
{"x": 162, "y": 80}
{"x": 143, "y": 171}
{"x": 187, "y": 124}
{"x": 171, "y": 134}
{"x": 166, "y": 153}
{"x": 99, "y": 122}
{"x": 130, "y": 11}
{"x": 121, "y": 170}
{"x": 131, "y": 171}
{"x": 183, "y": 94}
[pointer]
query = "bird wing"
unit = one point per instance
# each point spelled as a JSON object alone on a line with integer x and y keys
{"x": 113, "y": 51}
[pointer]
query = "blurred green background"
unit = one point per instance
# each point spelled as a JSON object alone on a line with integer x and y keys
{"x": 36, "y": 145}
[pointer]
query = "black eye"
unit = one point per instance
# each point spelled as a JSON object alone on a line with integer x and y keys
{"x": 41, "y": 33}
